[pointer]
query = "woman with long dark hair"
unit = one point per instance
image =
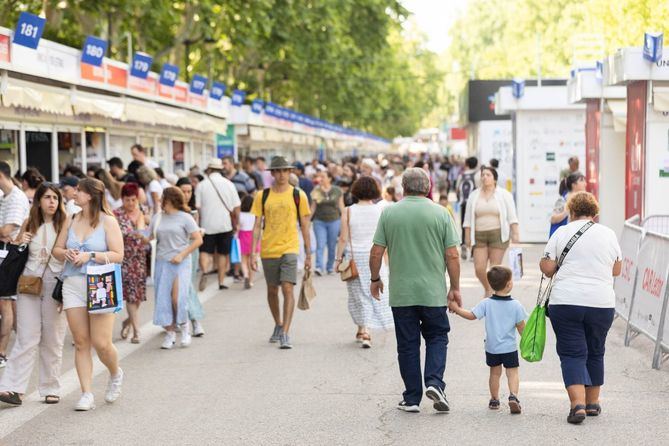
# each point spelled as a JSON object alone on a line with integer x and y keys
{"x": 177, "y": 236}
{"x": 93, "y": 238}
{"x": 30, "y": 181}
{"x": 40, "y": 323}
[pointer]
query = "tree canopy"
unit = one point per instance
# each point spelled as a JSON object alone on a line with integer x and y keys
{"x": 346, "y": 61}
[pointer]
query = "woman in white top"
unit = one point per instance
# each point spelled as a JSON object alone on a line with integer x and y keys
{"x": 359, "y": 223}
{"x": 154, "y": 191}
{"x": 40, "y": 323}
{"x": 112, "y": 189}
{"x": 490, "y": 221}
{"x": 582, "y": 301}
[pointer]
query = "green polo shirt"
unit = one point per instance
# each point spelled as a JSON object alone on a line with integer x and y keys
{"x": 416, "y": 232}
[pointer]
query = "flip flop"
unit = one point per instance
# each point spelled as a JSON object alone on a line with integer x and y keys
{"x": 51, "y": 399}
{"x": 12, "y": 398}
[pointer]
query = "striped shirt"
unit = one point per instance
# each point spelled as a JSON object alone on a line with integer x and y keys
{"x": 14, "y": 208}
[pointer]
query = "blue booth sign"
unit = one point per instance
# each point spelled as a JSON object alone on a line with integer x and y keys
{"x": 518, "y": 88}
{"x": 94, "y": 51}
{"x": 238, "y": 97}
{"x": 217, "y": 90}
{"x": 257, "y": 105}
{"x": 198, "y": 84}
{"x": 29, "y": 30}
{"x": 652, "y": 46}
{"x": 169, "y": 74}
{"x": 141, "y": 65}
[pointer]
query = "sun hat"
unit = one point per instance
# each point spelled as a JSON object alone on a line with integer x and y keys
{"x": 279, "y": 162}
{"x": 215, "y": 163}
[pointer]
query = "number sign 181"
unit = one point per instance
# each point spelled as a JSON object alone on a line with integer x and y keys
{"x": 29, "y": 30}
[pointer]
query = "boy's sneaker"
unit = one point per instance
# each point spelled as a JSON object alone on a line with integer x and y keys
{"x": 439, "y": 399}
{"x": 168, "y": 342}
{"x": 198, "y": 331}
{"x": 514, "y": 404}
{"x": 403, "y": 405}
{"x": 186, "y": 338}
{"x": 285, "y": 342}
{"x": 3, "y": 361}
{"x": 276, "y": 335}
{"x": 86, "y": 402}
{"x": 114, "y": 387}
{"x": 493, "y": 404}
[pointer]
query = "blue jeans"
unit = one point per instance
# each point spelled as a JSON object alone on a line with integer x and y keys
{"x": 581, "y": 337}
{"x": 410, "y": 323}
{"x": 327, "y": 233}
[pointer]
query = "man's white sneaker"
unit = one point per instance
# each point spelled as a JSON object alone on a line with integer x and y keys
{"x": 403, "y": 405}
{"x": 186, "y": 338}
{"x": 198, "y": 330}
{"x": 86, "y": 402}
{"x": 114, "y": 387}
{"x": 438, "y": 398}
{"x": 168, "y": 342}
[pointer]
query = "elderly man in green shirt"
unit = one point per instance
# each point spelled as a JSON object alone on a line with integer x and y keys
{"x": 421, "y": 240}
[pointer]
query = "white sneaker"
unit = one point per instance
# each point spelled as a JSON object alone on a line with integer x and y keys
{"x": 168, "y": 342}
{"x": 198, "y": 330}
{"x": 86, "y": 402}
{"x": 114, "y": 387}
{"x": 186, "y": 338}
{"x": 406, "y": 407}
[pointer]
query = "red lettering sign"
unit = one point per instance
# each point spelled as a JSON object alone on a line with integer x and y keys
{"x": 628, "y": 267}
{"x": 4, "y": 48}
{"x": 652, "y": 282}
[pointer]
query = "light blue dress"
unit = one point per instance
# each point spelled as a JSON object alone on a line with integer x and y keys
{"x": 195, "y": 310}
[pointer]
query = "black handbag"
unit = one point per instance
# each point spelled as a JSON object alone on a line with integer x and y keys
{"x": 57, "y": 293}
{"x": 12, "y": 267}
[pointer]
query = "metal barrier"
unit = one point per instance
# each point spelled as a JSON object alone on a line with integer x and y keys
{"x": 642, "y": 294}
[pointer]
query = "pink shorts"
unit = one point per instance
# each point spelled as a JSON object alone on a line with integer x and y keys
{"x": 246, "y": 242}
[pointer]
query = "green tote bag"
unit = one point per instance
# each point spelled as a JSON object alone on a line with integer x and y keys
{"x": 533, "y": 339}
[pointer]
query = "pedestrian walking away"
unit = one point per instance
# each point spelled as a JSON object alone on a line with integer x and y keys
{"x": 418, "y": 261}
{"x": 280, "y": 211}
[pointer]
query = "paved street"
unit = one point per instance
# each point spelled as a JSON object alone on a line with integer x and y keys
{"x": 232, "y": 387}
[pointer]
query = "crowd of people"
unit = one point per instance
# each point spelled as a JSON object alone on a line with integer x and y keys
{"x": 174, "y": 231}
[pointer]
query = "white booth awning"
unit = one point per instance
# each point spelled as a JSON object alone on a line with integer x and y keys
{"x": 661, "y": 99}
{"x": 138, "y": 111}
{"x": 38, "y": 97}
{"x": 93, "y": 104}
{"x": 618, "y": 109}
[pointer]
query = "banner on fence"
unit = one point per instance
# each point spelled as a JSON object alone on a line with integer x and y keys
{"x": 624, "y": 284}
{"x": 653, "y": 262}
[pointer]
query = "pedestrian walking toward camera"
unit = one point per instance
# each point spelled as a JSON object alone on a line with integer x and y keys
{"x": 278, "y": 210}
{"x": 465, "y": 185}
{"x": 421, "y": 240}
{"x": 503, "y": 317}
{"x": 327, "y": 206}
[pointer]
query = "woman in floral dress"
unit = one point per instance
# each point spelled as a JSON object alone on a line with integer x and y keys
{"x": 132, "y": 221}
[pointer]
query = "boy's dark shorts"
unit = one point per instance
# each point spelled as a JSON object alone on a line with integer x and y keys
{"x": 508, "y": 360}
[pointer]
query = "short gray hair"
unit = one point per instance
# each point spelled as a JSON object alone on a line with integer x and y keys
{"x": 415, "y": 181}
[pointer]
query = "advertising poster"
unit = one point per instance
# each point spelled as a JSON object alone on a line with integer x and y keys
{"x": 624, "y": 283}
{"x": 656, "y": 180}
{"x": 225, "y": 143}
{"x": 495, "y": 140}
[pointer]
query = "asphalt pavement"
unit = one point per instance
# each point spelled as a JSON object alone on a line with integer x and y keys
{"x": 232, "y": 387}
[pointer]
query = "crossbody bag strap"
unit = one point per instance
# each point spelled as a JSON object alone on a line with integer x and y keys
{"x": 50, "y": 252}
{"x": 572, "y": 241}
{"x": 220, "y": 197}
{"x": 350, "y": 240}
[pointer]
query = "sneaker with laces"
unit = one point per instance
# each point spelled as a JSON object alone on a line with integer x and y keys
{"x": 169, "y": 341}
{"x": 114, "y": 387}
{"x": 276, "y": 335}
{"x": 3, "y": 361}
{"x": 186, "y": 338}
{"x": 437, "y": 396}
{"x": 86, "y": 402}
{"x": 284, "y": 342}
{"x": 198, "y": 330}
{"x": 406, "y": 407}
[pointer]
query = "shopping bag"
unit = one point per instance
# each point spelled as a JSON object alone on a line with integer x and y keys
{"x": 307, "y": 292}
{"x": 104, "y": 288}
{"x": 13, "y": 260}
{"x": 533, "y": 339}
{"x": 235, "y": 251}
{"x": 516, "y": 262}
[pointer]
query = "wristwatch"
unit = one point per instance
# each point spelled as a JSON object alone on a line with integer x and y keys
{"x": 92, "y": 254}
{"x": 376, "y": 280}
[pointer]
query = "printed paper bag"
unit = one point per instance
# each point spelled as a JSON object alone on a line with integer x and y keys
{"x": 516, "y": 262}
{"x": 104, "y": 288}
{"x": 307, "y": 292}
{"x": 235, "y": 252}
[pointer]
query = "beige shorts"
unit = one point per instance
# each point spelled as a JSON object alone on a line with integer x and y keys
{"x": 74, "y": 292}
{"x": 490, "y": 239}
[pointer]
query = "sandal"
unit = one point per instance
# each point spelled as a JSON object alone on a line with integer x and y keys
{"x": 51, "y": 399}
{"x": 366, "y": 340}
{"x": 358, "y": 337}
{"x": 514, "y": 404}
{"x": 125, "y": 329}
{"x": 12, "y": 398}
{"x": 593, "y": 410}
{"x": 575, "y": 417}
{"x": 493, "y": 404}
{"x": 135, "y": 339}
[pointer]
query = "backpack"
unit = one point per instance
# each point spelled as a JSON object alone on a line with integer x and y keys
{"x": 296, "y": 199}
{"x": 467, "y": 185}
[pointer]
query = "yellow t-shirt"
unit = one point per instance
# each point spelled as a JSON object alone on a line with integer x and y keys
{"x": 279, "y": 236}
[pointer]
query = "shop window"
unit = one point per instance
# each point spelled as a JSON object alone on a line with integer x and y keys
{"x": 9, "y": 148}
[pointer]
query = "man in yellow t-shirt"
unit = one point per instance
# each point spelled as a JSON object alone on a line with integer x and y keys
{"x": 276, "y": 210}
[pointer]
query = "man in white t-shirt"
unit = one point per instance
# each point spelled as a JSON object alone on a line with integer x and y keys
{"x": 14, "y": 208}
{"x": 138, "y": 153}
{"x": 218, "y": 203}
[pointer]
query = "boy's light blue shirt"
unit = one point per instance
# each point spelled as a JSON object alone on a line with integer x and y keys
{"x": 502, "y": 314}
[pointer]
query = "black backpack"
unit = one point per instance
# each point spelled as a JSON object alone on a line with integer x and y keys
{"x": 467, "y": 185}
{"x": 296, "y": 199}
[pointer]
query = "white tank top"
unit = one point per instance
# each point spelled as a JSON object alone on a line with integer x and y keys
{"x": 363, "y": 221}
{"x": 40, "y": 248}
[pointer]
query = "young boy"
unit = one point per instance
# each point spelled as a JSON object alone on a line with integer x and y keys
{"x": 503, "y": 316}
